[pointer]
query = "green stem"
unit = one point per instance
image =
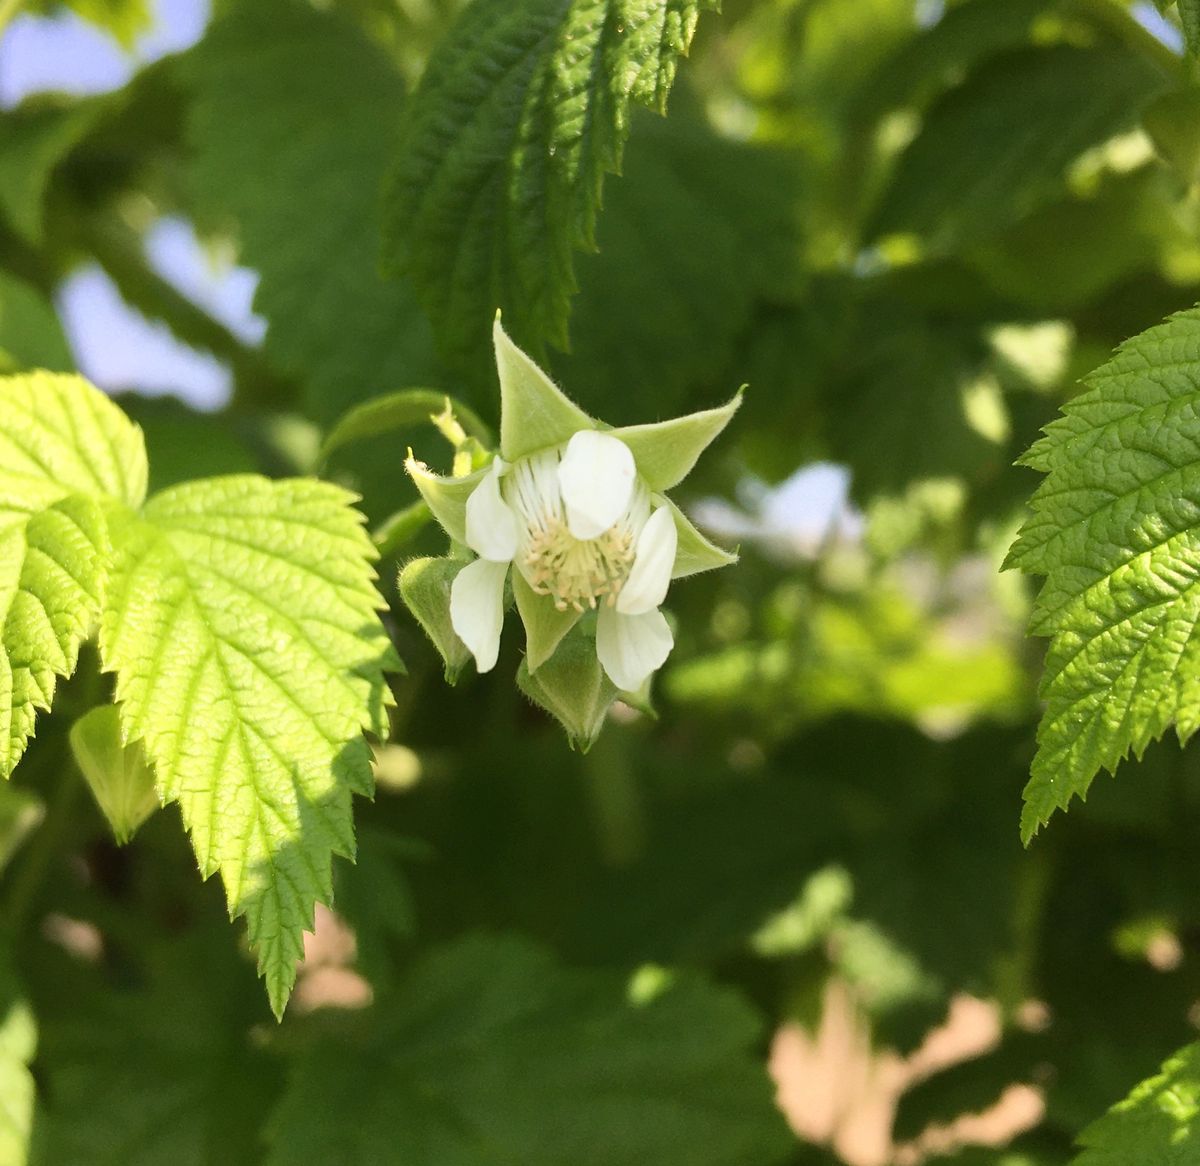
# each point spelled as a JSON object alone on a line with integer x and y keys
{"x": 616, "y": 799}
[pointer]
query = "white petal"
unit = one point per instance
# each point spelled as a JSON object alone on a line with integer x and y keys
{"x": 596, "y": 476}
{"x": 630, "y": 647}
{"x": 477, "y": 609}
{"x": 491, "y": 524}
{"x": 654, "y": 560}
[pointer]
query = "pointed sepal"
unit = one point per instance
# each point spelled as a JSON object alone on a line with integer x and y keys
{"x": 425, "y": 588}
{"x": 572, "y": 687}
{"x": 545, "y": 625}
{"x": 534, "y": 413}
{"x": 694, "y": 552}
{"x": 446, "y": 497}
{"x": 117, "y": 773}
{"x": 667, "y": 451}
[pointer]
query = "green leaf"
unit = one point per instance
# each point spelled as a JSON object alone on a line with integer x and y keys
{"x": 1114, "y": 530}
{"x": 116, "y": 772}
{"x": 18, "y": 1091}
{"x": 534, "y": 411}
{"x": 696, "y": 233}
{"x": 31, "y": 335}
{"x": 996, "y": 147}
{"x": 242, "y": 624}
{"x": 302, "y": 101}
{"x": 491, "y": 1054}
{"x": 1159, "y": 1122}
{"x": 33, "y": 141}
{"x": 64, "y": 449}
{"x": 519, "y": 116}
{"x": 159, "y": 1067}
{"x": 667, "y": 451}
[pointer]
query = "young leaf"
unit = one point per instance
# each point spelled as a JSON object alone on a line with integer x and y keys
{"x": 518, "y": 119}
{"x": 1115, "y": 531}
{"x": 1158, "y": 1122}
{"x": 242, "y": 624}
{"x": 65, "y": 449}
{"x": 491, "y": 1052}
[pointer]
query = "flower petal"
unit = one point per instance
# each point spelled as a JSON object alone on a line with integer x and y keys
{"x": 596, "y": 475}
{"x": 477, "y": 609}
{"x": 491, "y": 525}
{"x": 654, "y": 560}
{"x": 630, "y": 647}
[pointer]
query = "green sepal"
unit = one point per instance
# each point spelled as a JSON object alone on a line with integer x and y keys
{"x": 121, "y": 780}
{"x": 572, "y": 687}
{"x": 425, "y": 588}
{"x": 534, "y": 413}
{"x": 695, "y": 553}
{"x": 446, "y": 497}
{"x": 666, "y": 451}
{"x": 545, "y": 625}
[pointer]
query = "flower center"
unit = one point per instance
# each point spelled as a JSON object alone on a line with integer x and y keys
{"x": 578, "y": 573}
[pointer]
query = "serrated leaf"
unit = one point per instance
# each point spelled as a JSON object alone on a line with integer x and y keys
{"x": 31, "y": 335}
{"x": 1114, "y": 530}
{"x": 242, "y": 624}
{"x": 1158, "y": 1124}
{"x": 65, "y": 450}
{"x": 696, "y": 233}
{"x": 302, "y": 101}
{"x": 996, "y": 147}
{"x": 573, "y": 1071}
{"x": 519, "y": 117}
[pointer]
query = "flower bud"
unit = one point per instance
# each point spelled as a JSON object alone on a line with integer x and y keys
{"x": 118, "y": 774}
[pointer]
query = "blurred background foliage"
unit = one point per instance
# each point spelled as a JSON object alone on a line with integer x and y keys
{"x": 910, "y": 226}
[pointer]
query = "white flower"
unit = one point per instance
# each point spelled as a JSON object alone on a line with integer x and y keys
{"x": 579, "y": 525}
{"x": 580, "y": 511}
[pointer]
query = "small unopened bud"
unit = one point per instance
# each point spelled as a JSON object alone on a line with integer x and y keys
{"x": 118, "y": 774}
{"x": 425, "y": 588}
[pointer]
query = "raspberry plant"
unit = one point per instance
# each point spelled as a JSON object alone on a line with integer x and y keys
{"x": 943, "y": 245}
